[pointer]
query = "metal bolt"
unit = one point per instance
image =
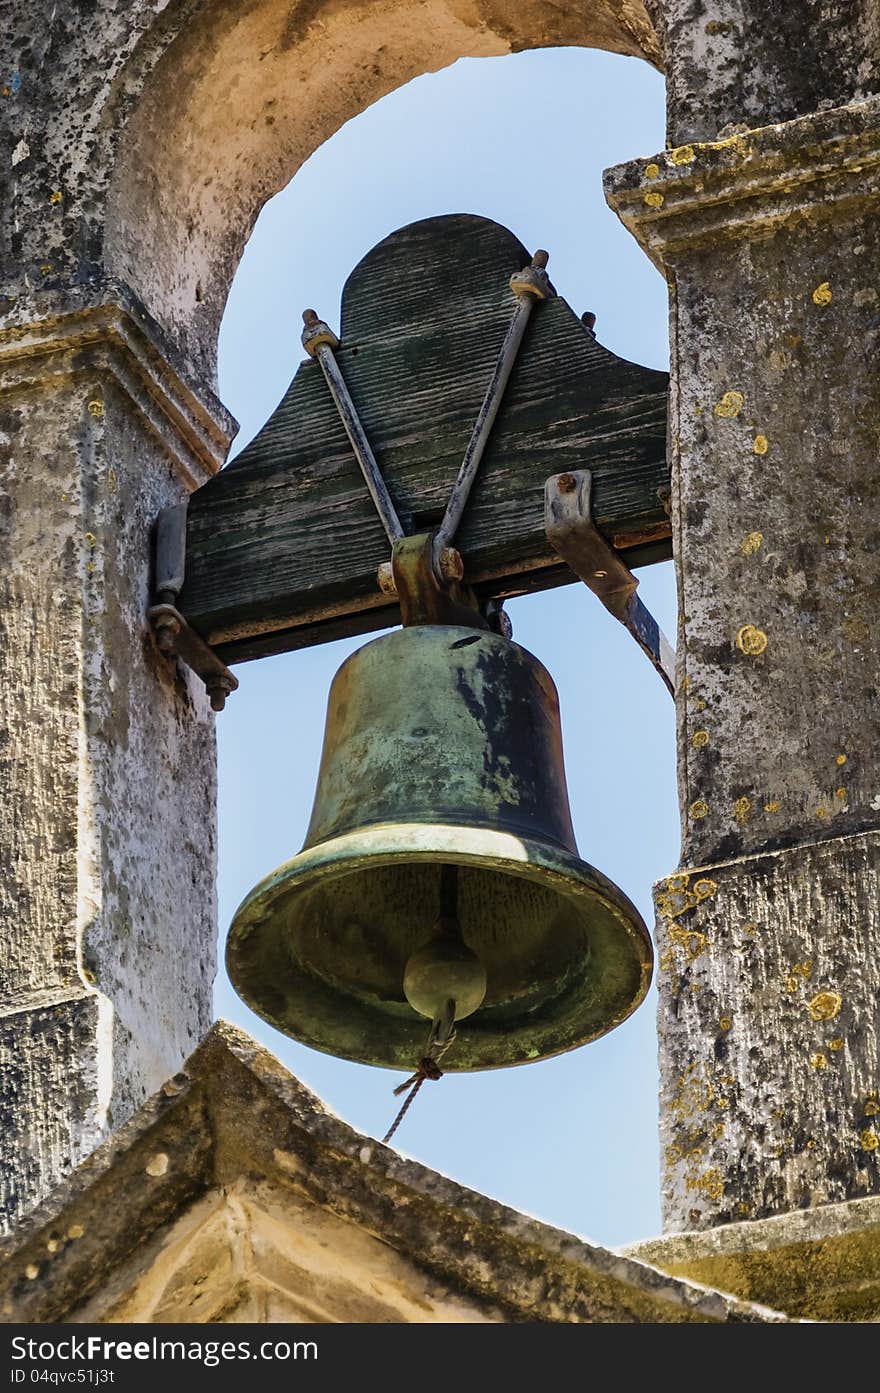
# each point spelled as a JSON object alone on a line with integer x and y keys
{"x": 218, "y": 689}
{"x": 451, "y": 564}
{"x": 385, "y": 579}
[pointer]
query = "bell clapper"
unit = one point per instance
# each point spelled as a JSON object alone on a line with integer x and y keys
{"x": 445, "y": 967}
{"x": 444, "y": 981}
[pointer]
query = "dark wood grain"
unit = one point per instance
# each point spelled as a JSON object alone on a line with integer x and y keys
{"x": 283, "y": 545}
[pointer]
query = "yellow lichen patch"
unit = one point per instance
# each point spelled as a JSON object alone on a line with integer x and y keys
{"x": 709, "y": 1183}
{"x": 96, "y": 409}
{"x": 772, "y": 806}
{"x": 731, "y": 404}
{"x": 791, "y": 984}
{"x": 822, "y": 294}
{"x": 841, "y": 759}
{"x": 751, "y": 640}
{"x": 699, "y": 704}
{"x": 56, "y": 196}
{"x": 804, "y": 970}
{"x": 700, "y": 739}
{"x": 872, "y": 1107}
{"x": 46, "y": 268}
{"x": 690, "y": 940}
{"x": 822, "y": 812}
{"x": 840, "y": 793}
{"x": 90, "y": 539}
{"x": 836, "y": 1044}
{"x": 704, "y": 889}
{"x": 751, "y": 929}
{"x": 725, "y": 1023}
{"x": 869, "y": 1140}
{"x": 682, "y": 154}
{"x": 677, "y": 884}
{"x": 761, "y": 445}
{"x": 112, "y": 480}
{"x": 654, "y": 199}
{"x": 825, "y": 1006}
{"x": 693, "y": 1097}
{"x": 652, "y": 170}
{"x": 742, "y": 1208}
{"x": 741, "y": 809}
{"x": 722, "y": 1103}
{"x": 819, "y": 1060}
{"x": 699, "y": 808}
{"x": 752, "y": 543}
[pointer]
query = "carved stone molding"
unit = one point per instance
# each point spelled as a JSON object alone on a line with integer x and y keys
{"x": 752, "y": 183}
{"x": 111, "y": 338}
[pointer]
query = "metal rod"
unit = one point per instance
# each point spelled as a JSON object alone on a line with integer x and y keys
{"x": 320, "y": 345}
{"x": 528, "y": 288}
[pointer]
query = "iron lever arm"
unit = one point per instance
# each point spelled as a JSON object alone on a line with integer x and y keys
{"x": 571, "y": 532}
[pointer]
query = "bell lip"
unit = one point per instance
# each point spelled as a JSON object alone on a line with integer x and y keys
{"x": 388, "y": 843}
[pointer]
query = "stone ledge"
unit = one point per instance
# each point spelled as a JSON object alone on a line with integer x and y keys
{"x": 821, "y": 167}
{"x": 109, "y": 335}
{"x": 236, "y": 1124}
{"x": 816, "y": 1264}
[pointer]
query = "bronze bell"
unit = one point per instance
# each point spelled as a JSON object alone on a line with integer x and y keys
{"x": 440, "y": 866}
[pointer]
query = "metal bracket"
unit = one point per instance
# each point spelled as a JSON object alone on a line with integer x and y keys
{"x": 423, "y": 598}
{"x": 174, "y": 636}
{"x": 571, "y": 532}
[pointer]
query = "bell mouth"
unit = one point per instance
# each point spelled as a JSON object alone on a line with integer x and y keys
{"x": 319, "y": 947}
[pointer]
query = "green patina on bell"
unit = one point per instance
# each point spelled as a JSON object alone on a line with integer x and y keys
{"x": 440, "y": 862}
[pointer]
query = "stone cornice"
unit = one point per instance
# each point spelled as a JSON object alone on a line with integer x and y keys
{"x": 110, "y": 338}
{"x": 820, "y": 167}
{"x": 234, "y": 1116}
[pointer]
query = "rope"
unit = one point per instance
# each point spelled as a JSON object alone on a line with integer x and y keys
{"x": 428, "y": 1068}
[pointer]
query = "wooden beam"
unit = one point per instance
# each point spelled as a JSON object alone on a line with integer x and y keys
{"x": 283, "y": 545}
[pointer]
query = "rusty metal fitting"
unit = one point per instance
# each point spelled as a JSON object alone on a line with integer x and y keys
{"x": 316, "y": 334}
{"x": 166, "y": 627}
{"x": 450, "y": 567}
{"x": 533, "y": 279}
{"x": 385, "y": 580}
{"x": 218, "y": 689}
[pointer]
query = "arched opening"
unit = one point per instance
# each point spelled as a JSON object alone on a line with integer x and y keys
{"x": 242, "y": 95}
{"x": 522, "y": 140}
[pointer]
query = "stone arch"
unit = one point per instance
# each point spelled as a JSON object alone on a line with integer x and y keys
{"x": 241, "y": 95}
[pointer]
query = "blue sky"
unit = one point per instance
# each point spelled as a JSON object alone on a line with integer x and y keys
{"x": 522, "y": 140}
